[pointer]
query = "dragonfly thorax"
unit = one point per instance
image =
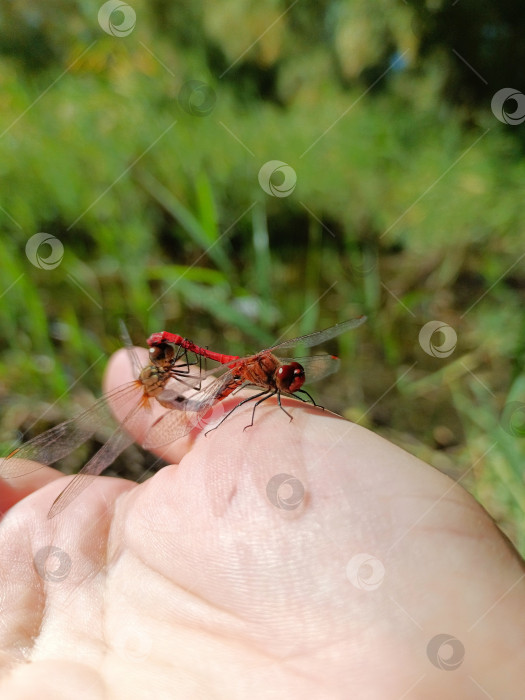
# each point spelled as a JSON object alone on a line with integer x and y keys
{"x": 153, "y": 380}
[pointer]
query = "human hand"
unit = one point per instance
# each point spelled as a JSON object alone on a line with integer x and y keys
{"x": 210, "y": 581}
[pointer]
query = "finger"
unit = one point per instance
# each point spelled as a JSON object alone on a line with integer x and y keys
{"x": 15, "y": 489}
{"x": 121, "y": 371}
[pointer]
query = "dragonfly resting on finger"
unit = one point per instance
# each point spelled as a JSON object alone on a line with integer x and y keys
{"x": 263, "y": 370}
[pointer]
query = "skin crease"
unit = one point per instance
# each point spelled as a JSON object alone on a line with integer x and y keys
{"x": 195, "y": 584}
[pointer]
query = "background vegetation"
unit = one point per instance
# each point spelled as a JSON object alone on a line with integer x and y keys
{"x": 408, "y": 207}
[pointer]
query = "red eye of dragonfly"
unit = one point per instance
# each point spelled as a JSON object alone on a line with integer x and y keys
{"x": 290, "y": 377}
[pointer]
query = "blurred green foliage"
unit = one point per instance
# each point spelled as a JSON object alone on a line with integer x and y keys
{"x": 408, "y": 205}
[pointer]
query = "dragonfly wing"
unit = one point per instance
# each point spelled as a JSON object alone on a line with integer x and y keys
{"x": 107, "y": 454}
{"x": 319, "y": 337}
{"x": 317, "y": 367}
{"x": 187, "y": 381}
{"x": 180, "y": 383}
{"x": 132, "y": 354}
{"x": 46, "y": 448}
{"x": 61, "y": 440}
{"x": 171, "y": 426}
{"x": 186, "y": 414}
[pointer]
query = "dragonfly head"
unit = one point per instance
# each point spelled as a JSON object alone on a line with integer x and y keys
{"x": 290, "y": 377}
{"x": 162, "y": 355}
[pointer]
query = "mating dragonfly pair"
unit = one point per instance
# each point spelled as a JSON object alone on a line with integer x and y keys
{"x": 167, "y": 380}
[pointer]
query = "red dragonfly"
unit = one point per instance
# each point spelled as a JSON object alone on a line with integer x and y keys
{"x": 135, "y": 400}
{"x": 263, "y": 370}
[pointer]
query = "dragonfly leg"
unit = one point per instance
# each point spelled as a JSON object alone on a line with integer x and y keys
{"x": 199, "y": 361}
{"x": 190, "y": 385}
{"x": 303, "y": 391}
{"x": 182, "y": 353}
{"x": 185, "y": 364}
{"x": 178, "y": 371}
{"x": 248, "y": 398}
{"x": 281, "y": 406}
{"x": 244, "y": 386}
{"x": 268, "y": 394}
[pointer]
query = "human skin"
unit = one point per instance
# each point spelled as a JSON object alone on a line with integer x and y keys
{"x": 202, "y": 583}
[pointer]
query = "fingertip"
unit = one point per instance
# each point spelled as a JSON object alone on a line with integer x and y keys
{"x": 124, "y": 366}
{"x": 13, "y": 490}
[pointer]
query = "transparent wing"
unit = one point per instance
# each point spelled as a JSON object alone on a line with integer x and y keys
{"x": 61, "y": 440}
{"x": 171, "y": 426}
{"x": 188, "y": 379}
{"x": 317, "y": 367}
{"x": 319, "y": 337}
{"x": 132, "y": 354}
{"x": 187, "y": 412}
{"x": 107, "y": 454}
{"x": 128, "y": 402}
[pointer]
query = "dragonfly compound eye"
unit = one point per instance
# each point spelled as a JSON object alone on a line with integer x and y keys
{"x": 290, "y": 377}
{"x": 155, "y": 353}
{"x": 161, "y": 354}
